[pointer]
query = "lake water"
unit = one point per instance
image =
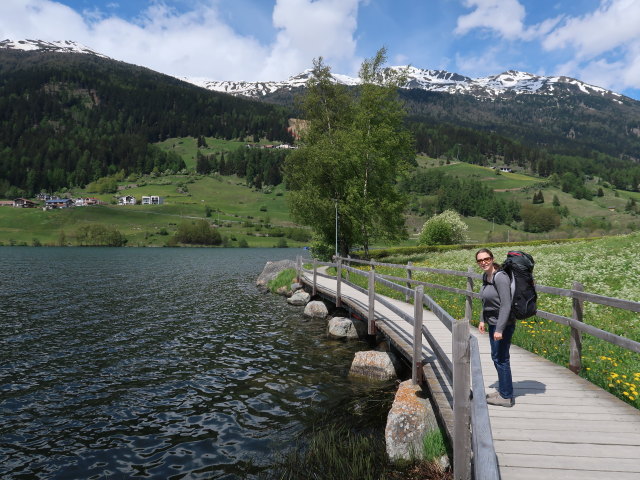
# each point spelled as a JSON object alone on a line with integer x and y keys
{"x": 161, "y": 363}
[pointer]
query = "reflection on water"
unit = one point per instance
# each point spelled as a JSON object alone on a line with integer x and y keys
{"x": 157, "y": 363}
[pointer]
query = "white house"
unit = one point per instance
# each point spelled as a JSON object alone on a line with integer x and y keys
{"x": 506, "y": 169}
{"x": 127, "y": 200}
{"x": 152, "y": 200}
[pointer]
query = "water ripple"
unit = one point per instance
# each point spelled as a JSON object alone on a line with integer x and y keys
{"x": 155, "y": 363}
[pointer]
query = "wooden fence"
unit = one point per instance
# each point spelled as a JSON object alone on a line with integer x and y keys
{"x": 473, "y": 454}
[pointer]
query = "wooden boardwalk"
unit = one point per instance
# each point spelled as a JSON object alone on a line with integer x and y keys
{"x": 561, "y": 426}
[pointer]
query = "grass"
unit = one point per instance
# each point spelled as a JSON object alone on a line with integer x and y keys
{"x": 434, "y": 445}
{"x": 240, "y": 212}
{"x": 284, "y": 279}
{"x": 606, "y": 266}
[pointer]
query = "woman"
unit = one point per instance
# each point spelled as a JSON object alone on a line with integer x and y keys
{"x": 496, "y": 312}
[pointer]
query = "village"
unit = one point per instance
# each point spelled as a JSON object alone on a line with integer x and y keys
{"x": 48, "y": 202}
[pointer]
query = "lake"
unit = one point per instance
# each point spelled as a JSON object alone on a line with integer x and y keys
{"x": 162, "y": 363}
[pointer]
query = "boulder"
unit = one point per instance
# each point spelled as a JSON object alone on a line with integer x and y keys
{"x": 299, "y": 298}
{"x": 284, "y": 291}
{"x": 342, "y": 327}
{"x": 316, "y": 309}
{"x": 375, "y": 365}
{"x": 271, "y": 271}
{"x": 296, "y": 286}
{"x": 411, "y": 417}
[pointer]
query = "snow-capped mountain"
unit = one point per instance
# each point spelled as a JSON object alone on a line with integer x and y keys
{"x": 492, "y": 86}
{"x": 63, "y": 46}
{"x": 429, "y": 80}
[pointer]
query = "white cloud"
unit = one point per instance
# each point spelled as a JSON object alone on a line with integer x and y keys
{"x": 198, "y": 42}
{"x": 309, "y": 29}
{"x": 606, "y": 43}
{"x": 504, "y": 16}
{"x": 613, "y": 24}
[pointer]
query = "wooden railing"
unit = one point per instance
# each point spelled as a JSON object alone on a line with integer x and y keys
{"x": 464, "y": 370}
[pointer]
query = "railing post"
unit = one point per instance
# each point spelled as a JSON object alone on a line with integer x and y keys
{"x": 338, "y": 281}
{"x": 347, "y": 275}
{"x": 372, "y": 301}
{"x": 468, "y": 308}
{"x": 299, "y": 268}
{"x": 461, "y": 402}
{"x": 407, "y": 296}
{"x": 575, "y": 362}
{"x": 416, "y": 364}
{"x": 315, "y": 278}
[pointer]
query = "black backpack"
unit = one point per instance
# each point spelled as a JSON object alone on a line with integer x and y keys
{"x": 519, "y": 267}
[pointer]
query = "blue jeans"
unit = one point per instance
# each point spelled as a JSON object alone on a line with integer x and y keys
{"x": 500, "y": 357}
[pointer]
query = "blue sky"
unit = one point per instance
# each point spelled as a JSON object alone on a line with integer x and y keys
{"x": 596, "y": 41}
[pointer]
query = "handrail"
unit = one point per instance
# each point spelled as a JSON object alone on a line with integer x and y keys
{"x": 576, "y": 294}
{"x": 485, "y": 463}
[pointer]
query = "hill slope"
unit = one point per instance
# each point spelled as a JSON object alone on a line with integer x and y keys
{"x": 69, "y": 118}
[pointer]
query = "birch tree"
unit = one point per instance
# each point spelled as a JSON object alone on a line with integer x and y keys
{"x": 353, "y": 150}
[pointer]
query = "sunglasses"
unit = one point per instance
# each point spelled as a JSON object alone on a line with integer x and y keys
{"x": 484, "y": 260}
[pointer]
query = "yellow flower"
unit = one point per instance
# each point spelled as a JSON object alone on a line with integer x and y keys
{"x": 625, "y": 393}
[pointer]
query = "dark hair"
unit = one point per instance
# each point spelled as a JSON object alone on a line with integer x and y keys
{"x": 497, "y": 266}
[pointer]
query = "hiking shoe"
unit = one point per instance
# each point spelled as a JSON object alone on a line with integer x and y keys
{"x": 496, "y": 399}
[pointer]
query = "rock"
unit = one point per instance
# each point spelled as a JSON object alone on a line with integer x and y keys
{"x": 271, "y": 271}
{"x": 316, "y": 309}
{"x": 296, "y": 286}
{"x": 411, "y": 417}
{"x": 284, "y": 291}
{"x": 299, "y": 298}
{"x": 341, "y": 327}
{"x": 375, "y": 365}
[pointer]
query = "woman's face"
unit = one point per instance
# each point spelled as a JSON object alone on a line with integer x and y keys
{"x": 484, "y": 261}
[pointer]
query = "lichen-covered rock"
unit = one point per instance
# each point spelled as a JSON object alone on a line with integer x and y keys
{"x": 299, "y": 298}
{"x": 350, "y": 328}
{"x": 316, "y": 309}
{"x": 271, "y": 271}
{"x": 411, "y": 417}
{"x": 375, "y": 365}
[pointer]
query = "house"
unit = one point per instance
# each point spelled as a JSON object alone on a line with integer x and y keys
{"x": 59, "y": 203}
{"x": 127, "y": 200}
{"x": 24, "y": 203}
{"x": 87, "y": 201}
{"x": 506, "y": 170}
{"x": 152, "y": 200}
{"x": 7, "y": 203}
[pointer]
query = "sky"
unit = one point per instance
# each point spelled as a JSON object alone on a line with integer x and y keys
{"x": 596, "y": 41}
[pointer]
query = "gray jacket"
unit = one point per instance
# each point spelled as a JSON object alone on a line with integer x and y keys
{"x": 496, "y": 301}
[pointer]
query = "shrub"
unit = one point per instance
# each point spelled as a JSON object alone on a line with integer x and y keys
{"x": 444, "y": 229}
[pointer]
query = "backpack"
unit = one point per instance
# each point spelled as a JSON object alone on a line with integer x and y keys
{"x": 519, "y": 267}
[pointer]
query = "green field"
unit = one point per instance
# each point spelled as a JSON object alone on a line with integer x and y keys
{"x": 240, "y": 212}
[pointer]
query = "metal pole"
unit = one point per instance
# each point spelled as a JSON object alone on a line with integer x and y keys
{"x": 336, "y": 228}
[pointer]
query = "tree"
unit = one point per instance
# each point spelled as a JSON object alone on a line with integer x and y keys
{"x": 538, "y": 197}
{"x": 352, "y": 152}
{"x": 444, "y": 229}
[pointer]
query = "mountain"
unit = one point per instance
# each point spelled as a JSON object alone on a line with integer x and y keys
{"x": 69, "y": 116}
{"x": 493, "y": 86}
{"x": 544, "y": 124}
{"x": 535, "y": 114}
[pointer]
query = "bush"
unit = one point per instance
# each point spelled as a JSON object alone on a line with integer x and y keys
{"x": 444, "y": 229}
{"x": 198, "y": 233}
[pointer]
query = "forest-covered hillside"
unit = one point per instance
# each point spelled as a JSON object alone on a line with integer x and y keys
{"x": 68, "y": 119}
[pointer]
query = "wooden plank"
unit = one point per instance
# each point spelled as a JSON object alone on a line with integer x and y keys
{"x": 542, "y": 473}
{"x": 566, "y": 449}
{"x": 564, "y": 436}
{"x": 571, "y": 463}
